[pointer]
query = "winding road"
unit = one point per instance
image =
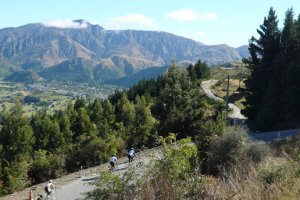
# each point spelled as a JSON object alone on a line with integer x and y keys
{"x": 236, "y": 111}
{"x": 239, "y": 118}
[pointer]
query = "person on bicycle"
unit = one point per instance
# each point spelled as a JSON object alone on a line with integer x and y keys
{"x": 131, "y": 154}
{"x": 49, "y": 187}
{"x": 112, "y": 163}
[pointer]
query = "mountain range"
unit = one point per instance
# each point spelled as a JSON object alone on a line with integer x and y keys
{"x": 93, "y": 54}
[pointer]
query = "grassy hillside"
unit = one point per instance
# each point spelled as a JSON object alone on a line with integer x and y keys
{"x": 23, "y": 77}
{"x": 149, "y": 73}
{"x": 7, "y": 68}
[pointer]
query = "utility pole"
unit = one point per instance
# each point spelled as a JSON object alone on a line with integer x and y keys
{"x": 227, "y": 94}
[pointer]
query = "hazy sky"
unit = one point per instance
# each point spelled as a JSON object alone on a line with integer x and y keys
{"x": 208, "y": 21}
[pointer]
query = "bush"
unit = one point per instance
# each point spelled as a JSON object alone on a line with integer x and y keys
{"x": 178, "y": 161}
{"x": 226, "y": 150}
{"x": 114, "y": 186}
{"x": 15, "y": 176}
{"x": 257, "y": 152}
{"x": 45, "y": 166}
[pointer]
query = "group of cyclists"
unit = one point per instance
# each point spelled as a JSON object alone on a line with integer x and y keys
{"x": 114, "y": 159}
{"x": 49, "y": 187}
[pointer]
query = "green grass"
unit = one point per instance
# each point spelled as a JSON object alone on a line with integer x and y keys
{"x": 14, "y": 91}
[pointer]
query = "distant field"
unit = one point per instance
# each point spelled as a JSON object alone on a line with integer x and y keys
{"x": 53, "y": 96}
{"x": 221, "y": 73}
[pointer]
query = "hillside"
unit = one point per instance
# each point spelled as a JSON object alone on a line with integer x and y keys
{"x": 108, "y": 54}
{"x": 23, "y": 77}
{"x": 243, "y": 51}
{"x": 145, "y": 74}
{"x": 7, "y": 68}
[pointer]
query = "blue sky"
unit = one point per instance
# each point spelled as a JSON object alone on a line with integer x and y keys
{"x": 208, "y": 21}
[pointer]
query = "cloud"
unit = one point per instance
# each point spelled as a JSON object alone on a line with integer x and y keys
{"x": 200, "y": 33}
{"x": 190, "y": 15}
{"x": 131, "y": 20}
{"x": 208, "y": 16}
{"x": 65, "y": 23}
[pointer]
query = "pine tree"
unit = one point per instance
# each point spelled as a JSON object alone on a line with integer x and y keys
{"x": 82, "y": 124}
{"x": 97, "y": 112}
{"x": 289, "y": 59}
{"x": 144, "y": 124}
{"x": 263, "y": 51}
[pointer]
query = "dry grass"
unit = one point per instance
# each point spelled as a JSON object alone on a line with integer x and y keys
{"x": 275, "y": 178}
{"x": 220, "y": 90}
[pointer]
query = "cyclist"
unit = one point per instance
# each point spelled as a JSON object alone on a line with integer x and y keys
{"x": 131, "y": 154}
{"x": 49, "y": 187}
{"x": 112, "y": 163}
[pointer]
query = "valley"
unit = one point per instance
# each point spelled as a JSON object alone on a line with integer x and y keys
{"x": 49, "y": 96}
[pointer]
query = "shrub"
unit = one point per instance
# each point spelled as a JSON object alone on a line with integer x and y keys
{"x": 114, "y": 186}
{"x": 226, "y": 150}
{"x": 178, "y": 161}
{"x": 257, "y": 152}
{"x": 15, "y": 176}
{"x": 45, "y": 166}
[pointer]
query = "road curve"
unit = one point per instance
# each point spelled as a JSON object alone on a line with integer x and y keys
{"x": 236, "y": 111}
{"x": 240, "y": 119}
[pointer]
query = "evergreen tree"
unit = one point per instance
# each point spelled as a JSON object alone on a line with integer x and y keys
{"x": 108, "y": 111}
{"x": 263, "y": 51}
{"x": 65, "y": 127}
{"x": 97, "y": 112}
{"x": 56, "y": 137}
{"x": 202, "y": 70}
{"x": 192, "y": 72}
{"x": 82, "y": 124}
{"x": 144, "y": 124}
{"x": 289, "y": 59}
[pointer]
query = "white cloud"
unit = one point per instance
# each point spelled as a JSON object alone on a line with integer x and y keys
{"x": 183, "y": 15}
{"x": 208, "y": 16}
{"x": 131, "y": 20}
{"x": 191, "y": 15}
{"x": 65, "y": 23}
{"x": 200, "y": 33}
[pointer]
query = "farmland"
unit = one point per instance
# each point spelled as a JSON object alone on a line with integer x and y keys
{"x": 51, "y": 96}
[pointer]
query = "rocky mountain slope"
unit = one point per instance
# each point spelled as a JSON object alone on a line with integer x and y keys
{"x": 93, "y": 53}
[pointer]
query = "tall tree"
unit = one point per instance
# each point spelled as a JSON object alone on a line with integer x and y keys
{"x": 263, "y": 51}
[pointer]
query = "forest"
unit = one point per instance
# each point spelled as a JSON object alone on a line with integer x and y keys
{"x": 45, "y": 146}
{"x": 221, "y": 163}
{"x": 273, "y": 88}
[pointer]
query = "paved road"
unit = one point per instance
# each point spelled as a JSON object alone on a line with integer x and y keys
{"x": 274, "y": 135}
{"x": 75, "y": 190}
{"x": 236, "y": 111}
{"x": 238, "y": 118}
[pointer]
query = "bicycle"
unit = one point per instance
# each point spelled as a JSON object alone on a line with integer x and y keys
{"x": 45, "y": 197}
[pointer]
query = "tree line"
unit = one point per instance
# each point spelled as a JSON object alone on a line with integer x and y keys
{"x": 43, "y": 146}
{"x": 273, "y": 88}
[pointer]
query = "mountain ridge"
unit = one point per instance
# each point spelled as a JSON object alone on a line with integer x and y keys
{"x": 116, "y": 53}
